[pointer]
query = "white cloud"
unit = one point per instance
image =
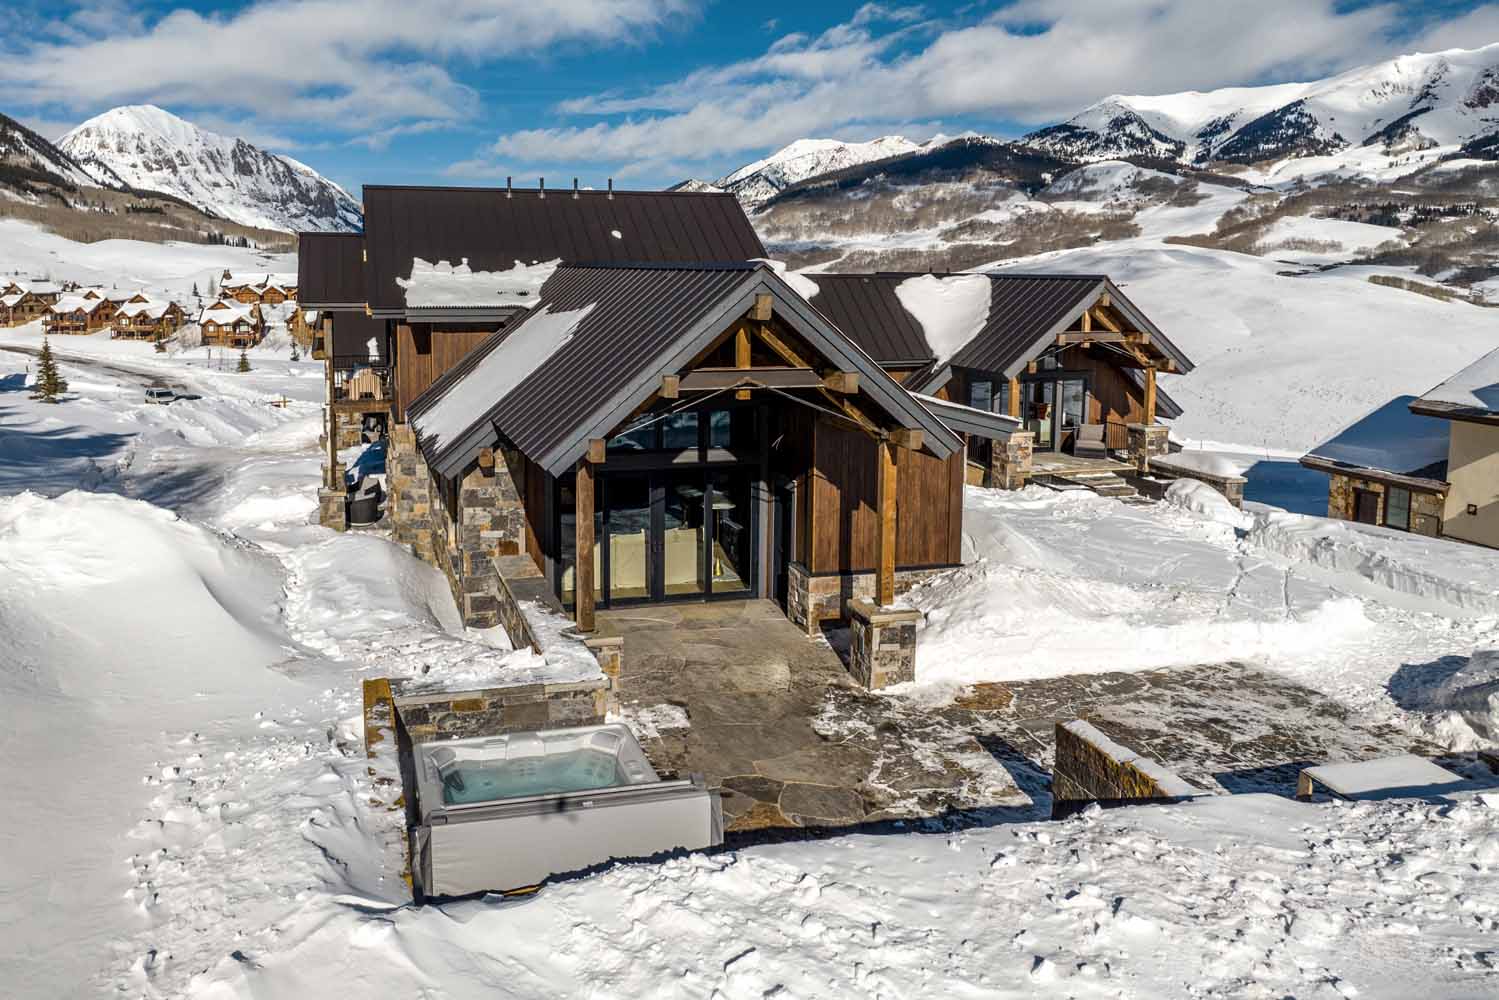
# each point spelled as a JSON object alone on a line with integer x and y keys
{"x": 346, "y": 65}
{"x": 1031, "y": 61}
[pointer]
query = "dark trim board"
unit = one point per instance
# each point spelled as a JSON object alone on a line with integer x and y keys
{"x": 1452, "y": 411}
{"x": 1317, "y": 464}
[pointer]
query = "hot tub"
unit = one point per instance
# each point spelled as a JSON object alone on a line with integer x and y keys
{"x": 501, "y": 812}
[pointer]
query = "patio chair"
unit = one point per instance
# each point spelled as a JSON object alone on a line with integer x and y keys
{"x": 1090, "y": 442}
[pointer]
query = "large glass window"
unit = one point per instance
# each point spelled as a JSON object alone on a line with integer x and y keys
{"x": 981, "y": 394}
{"x": 732, "y": 429}
{"x": 682, "y": 535}
{"x": 729, "y": 507}
{"x": 629, "y": 522}
{"x": 679, "y": 431}
{"x": 1397, "y": 508}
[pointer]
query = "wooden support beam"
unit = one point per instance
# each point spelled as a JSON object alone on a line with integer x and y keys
{"x": 597, "y": 450}
{"x": 905, "y": 437}
{"x": 1149, "y": 396}
{"x": 884, "y": 574}
{"x": 1087, "y": 324}
{"x": 778, "y": 346}
{"x": 671, "y": 386}
{"x": 1104, "y": 301}
{"x": 486, "y": 458}
{"x": 1095, "y": 337}
{"x": 583, "y": 550}
{"x": 1104, "y": 320}
{"x": 1014, "y": 397}
{"x": 742, "y": 354}
{"x": 844, "y": 382}
{"x": 760, "y": 312}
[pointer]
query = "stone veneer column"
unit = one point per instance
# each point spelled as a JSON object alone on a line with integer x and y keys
{"x": 1147, "y": 441}
{"x": 409, "y": 505}
{"x": 882, "y": 644}
{"x": 1010, "y": 461}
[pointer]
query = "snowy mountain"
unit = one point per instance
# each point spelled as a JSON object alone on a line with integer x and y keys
{"x": 23, "y": 152}
{"x": 1432, "y": 101}
{"x": 758, "y": 182}
{"x": 154, "y": 150}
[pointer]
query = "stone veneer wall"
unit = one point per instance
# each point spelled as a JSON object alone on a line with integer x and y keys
{"x": 438, "y": 715}
{"x": 1090, "y": 767}
{"x": 410, "y": 501}
{"x": 882, "y": 646}
{"x": 812, "y": 600}
{"x": 1426, "y": 508}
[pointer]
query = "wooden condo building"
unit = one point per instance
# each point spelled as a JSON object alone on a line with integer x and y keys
{"x": 23, "y": 302}
{"x": 80, "y": 313}
{"x": 648, "y": 412}
{"x": 227, "y": 323}
{"x": 144, "y": 318}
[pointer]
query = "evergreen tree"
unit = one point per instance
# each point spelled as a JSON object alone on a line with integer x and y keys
{"x": 294, "y": 355}
{"x": 195, "y": 291}
{"x": 49, "y": 384}
{"x": 161, "y": 344}
{"x": 244, "y": 361}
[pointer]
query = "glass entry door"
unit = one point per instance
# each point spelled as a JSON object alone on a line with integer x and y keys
{"x": 677, "y": 534}
{"x": 1054, "y": 409}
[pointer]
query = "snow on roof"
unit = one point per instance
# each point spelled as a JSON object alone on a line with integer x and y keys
{"x": 12, "y": 299}
{"x": 259, "y": 279}
{"x": 1390, "y": 439}
{"x": 1476, "y": 387}
{"x": 444, "y": 285}
{"x": 225, "y": 312}
{"x": 951, "y": 310}
{"x": 526, "y": 348}
{"x": 73, "y": 303}
{"x": 799, "y": 282}
{"x": 151, "y": 308}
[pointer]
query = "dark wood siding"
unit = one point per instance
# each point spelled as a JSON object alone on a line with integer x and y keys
{"x": 1112, "y": 399}
{"x": 842, "y": 518}
{"x": 424, "y": 352}
{"x": 534, "y": 493}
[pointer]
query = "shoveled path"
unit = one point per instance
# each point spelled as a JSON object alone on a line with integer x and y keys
{"x": 774, "y": 718}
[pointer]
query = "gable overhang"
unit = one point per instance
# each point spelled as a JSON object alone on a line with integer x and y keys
{"x": 962, "y": 419}
{"x": 874, "y": 383}
{"x": 821, "y": 335}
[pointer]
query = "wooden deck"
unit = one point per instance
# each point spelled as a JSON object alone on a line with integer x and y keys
{"x": 1049, "y": 463}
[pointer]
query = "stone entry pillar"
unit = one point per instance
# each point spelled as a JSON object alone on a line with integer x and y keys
{"x": 331, "y": 498}
{"x": 882, "y": 644}
{"x": 1147, "y": 441}
{"x": 1010, "y": 461}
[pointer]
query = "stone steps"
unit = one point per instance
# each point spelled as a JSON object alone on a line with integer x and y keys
{"x": 1105, "y": 484}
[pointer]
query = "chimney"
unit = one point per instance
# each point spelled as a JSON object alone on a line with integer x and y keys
{"x": 508, "y": 192}
{"x": 575, "y": 189}
{"x": 541, "y": 190}
{"x": 611, "y": 189}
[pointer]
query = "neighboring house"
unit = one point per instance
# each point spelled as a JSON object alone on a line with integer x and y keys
{"x": 1389, "y": 467}
{"x": 259, "y": 287}
{"x": 227, "y": 323}
{"x": 24, "y": 301}
{"x": 78, "y": 314}
{"x": 1468, "y": 403}
{"x": 145, "y": 318}
{"x": 612, "y": 389}
{"x": 354, "y": 345}
{"x": 1427, "y": 464}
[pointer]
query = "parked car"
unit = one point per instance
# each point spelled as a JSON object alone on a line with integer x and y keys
{"x": 160, "y": 394}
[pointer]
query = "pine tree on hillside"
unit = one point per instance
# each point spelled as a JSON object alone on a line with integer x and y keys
{"x": 294, "y": 355}
{"x": 244, "y": 361}
{"x": 49, "y": 384}
{"x": 161, "y": 344}
{"x": 195, "y": 291}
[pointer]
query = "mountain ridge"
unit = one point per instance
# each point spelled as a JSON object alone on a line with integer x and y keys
{"x": 148, "y": 148}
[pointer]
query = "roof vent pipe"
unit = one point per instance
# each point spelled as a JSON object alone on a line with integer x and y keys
{"x": 541, "y": 191}
{"x": 611, "y": 189}
{"x": 575, "y": 189}
{"x": 508, "y": 192}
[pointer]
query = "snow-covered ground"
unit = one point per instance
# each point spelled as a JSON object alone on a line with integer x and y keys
{"x": 190, "y": 813}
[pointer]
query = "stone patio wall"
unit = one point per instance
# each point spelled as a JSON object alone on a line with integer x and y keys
{"x": 1010, "y": 461}
{"x": 448, "y": 715}
{"x": 812, "y": 600}
{"x": 1147, "y": 441}
{"x": 411, "y": 496}
{"x": 1090, "y": 767}
{"x": 1232, "y": 487}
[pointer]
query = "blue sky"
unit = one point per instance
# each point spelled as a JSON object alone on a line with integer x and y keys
{"x": 652, "y": 91}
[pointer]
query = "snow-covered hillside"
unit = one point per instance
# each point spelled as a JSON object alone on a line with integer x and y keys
{"x": 762, "y": 180}
{"x": 24, "y": 149}
{"x": 154, "y": 150}
{"x": 1415, "y": 102}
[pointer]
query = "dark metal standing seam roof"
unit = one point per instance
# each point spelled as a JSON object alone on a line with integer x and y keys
{"x": 637, "y": 313}
{"x": 865, "y": 308}
{"x": 493, "y": 228}
{"x": 1023, "y": 310}
{"x": 639, "y": 316}
{"x": 330, "y": 270}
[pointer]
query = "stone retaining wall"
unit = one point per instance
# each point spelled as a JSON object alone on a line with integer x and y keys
{"x": 1090, "y": 767}
{"x": 812, "y": 600}
{"x": 409, "y": 504}
{"x": 1010, "y": 461}
{"x": 440, "y": 715}
{"x": 1232, "y": 487}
